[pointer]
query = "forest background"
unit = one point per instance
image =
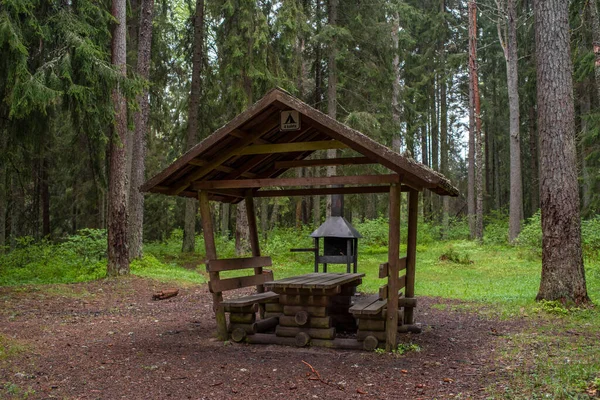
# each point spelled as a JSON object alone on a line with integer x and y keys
{"x": 398, "y": 71}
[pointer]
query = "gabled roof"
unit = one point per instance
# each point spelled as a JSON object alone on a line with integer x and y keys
{"x": 240, "y": 150}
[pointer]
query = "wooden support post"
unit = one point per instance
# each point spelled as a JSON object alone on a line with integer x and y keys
{"x": 393, "y": 256}
{"x": 411, "y": 252}
{"x": 211, "y": 254}
{"x": 250, "y": 211}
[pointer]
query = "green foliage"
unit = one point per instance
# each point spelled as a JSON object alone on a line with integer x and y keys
{"x": 404, "y": 348}
{"x": 552, "y": 307}
{"x": 453, "y": 256}
{"x": 496, "y": 227}
{"x": 9, "y": 348}
{"x": 530, "y": 237}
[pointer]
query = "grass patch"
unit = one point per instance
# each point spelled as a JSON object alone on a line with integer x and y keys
{"x": 9, "y": 348}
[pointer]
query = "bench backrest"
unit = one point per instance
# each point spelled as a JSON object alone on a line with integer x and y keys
{"x": 231, "y": 264}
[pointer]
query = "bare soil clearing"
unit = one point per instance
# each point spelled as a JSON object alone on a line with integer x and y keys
{"x": 109, "y": 340}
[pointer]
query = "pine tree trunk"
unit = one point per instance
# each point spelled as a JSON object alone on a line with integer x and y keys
{"x": 586, "y": 184}
{"x": 471, "y": 155}
{"x": 225, "y": 215}
{"x": 136, "y": 199}
{"x": 396, "y": 134}
{"x": 242, "y": 233}
{"x": 45, "y": 196}
{"x": 118, "y": 252}
{"x": 318, "y": 103}
{"x": 3, "y": 188}
{"x": 563, "y": 275}
{"x": 593, "y": 7}
{"x": 332, "y": 92}
{"x": 534, "y": 162}
{"x": 512, "y": 78}
{"x": 444, "y": 147}
{"x": 191, "y": 205}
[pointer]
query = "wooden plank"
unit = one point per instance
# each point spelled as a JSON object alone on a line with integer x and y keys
{"x": 223, "y": 168}
{"x": 323, "y": 162}
{"x": 290, "y": 147}
{"x": 211, "y": 253}
{"x": 393, "y": 256}
{"x": 286, "y": 182}
{"x": 323, "y": 191}
{"x": 253, "y": 308}
{"x": 362, "y": 303}
{"x": 340, "y": 280}
{"x": 229, "y": 264}
{"x": 411, "y": 251}
{"x": 220, "y": 159}
{"x": 375, "y": 308}
{"x": 297, "y": 300}
{"x": 249, "y": 300}
{"x": 223, "y": 285}
{"x": 384, "y": 291}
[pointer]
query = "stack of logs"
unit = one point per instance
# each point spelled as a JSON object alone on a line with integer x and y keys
{"x": 372, "y": 326}
{"x": 242, "y": 321}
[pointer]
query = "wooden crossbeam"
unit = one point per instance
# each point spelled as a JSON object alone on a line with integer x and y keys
{"x": 290, "y": 147}
{"x": 323, "y": 191}
{"x": 222, "y": 168}
{"x": 384, "y": 290}
{"x": 220, "y": 159}
{"x": 324, "y": 162}
{"x": 308, "y": 181}
{"x": 384, "y": 268}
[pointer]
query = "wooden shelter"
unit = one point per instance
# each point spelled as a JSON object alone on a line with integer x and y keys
{"x": 250, "y": 154}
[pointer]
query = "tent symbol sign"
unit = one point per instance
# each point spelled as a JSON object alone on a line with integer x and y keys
{"x": 290, "y": 120}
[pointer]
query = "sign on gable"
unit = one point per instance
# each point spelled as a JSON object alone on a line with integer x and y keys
{"x": 290, "y": 120}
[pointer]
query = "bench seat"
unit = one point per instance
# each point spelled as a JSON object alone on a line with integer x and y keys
{"x": 257, "y": 298}
{"x": 370, "y": 305}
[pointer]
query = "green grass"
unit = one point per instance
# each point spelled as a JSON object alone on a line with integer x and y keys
{"x": 9, "y": 348}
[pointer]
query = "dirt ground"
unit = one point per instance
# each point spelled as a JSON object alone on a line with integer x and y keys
{"x": 109, "y": 340}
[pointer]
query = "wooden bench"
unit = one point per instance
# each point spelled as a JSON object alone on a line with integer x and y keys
{"x": 371, "y": 313}
{"x": 242, "y": 310}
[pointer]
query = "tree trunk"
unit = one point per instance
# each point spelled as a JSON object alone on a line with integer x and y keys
{"x": 444, "y": 147}
{"x": 332, "y": 93}
{"x": 242, "y": 233}
{"x": 586, "y": 184}
{"x": 118, "y": 252}
{"x": 45, "y": 195}
{"x": 512, "y": 79}
{"x": 596, "y": 38}
{"x": 3, "y": 188}
{"x": 191, "y": 205}
{"x": 136, "y": 199}
{"x": 471, "y": 155}
{"x": 225, "y": 211}
{"x": 563, "y": 275}
{"x": 534, "y": 162}
{"x": 396, "y": 134}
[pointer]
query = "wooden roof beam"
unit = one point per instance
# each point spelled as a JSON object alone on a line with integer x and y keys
{"x": 324, "y": 162}
{"x": 222, "y": 168}
{"x": 326, "y": 191}
{"x": 291, "y": 147}
{"x": 307, "y": 181}
{"x": 220, "y": 159}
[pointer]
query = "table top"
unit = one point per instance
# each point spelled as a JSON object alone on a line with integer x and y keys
{"x": 314, "y": 281}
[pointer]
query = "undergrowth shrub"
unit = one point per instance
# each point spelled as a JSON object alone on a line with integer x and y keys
{"x": 496, "y": 228}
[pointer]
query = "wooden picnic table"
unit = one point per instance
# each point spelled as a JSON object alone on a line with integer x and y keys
{"x": 315, "y": 306}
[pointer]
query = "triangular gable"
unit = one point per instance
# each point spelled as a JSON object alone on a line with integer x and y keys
{"x": 243, "y": 149}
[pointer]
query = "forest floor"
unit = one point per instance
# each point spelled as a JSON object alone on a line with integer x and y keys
{"x": 107, "y": 339}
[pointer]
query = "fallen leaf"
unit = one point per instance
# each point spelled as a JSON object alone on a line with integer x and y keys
{"x": 448, "y": 380}
{"x": 419, "y": 386}
{"x": 360, "y": 391}
{"x": 404, "y": 371}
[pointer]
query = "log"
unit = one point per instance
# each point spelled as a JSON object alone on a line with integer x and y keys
{"x": 362, "y": 335}
{"x": 250, "y": 329}
{"x": 269, "y": 338}
{"x": 271, "y": 314}
{"x": 270, "y": 307}
{"x": 239, "y": 318}
{"x": 301, "y": 318}
{"x": 338, "y": 309}
{"x": 165, "y": 294}
{"x": 312, "y": 311}
{"x": 297, "y": 300}
{"x": 370, "y": 343}
{"x": 240, "y": 310}
{"x": 313, "y": 322}
{"x": 371, "y": 325}
{"x": 345, "y": 300}
{"x": 411, "y": 328}
{"x": 301, "y": 339}
{"x": 407, "y": 302}
{"x": 315, "y": 333}
{"x": 266, "y": 324}
{"x": 238, "y": 334}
